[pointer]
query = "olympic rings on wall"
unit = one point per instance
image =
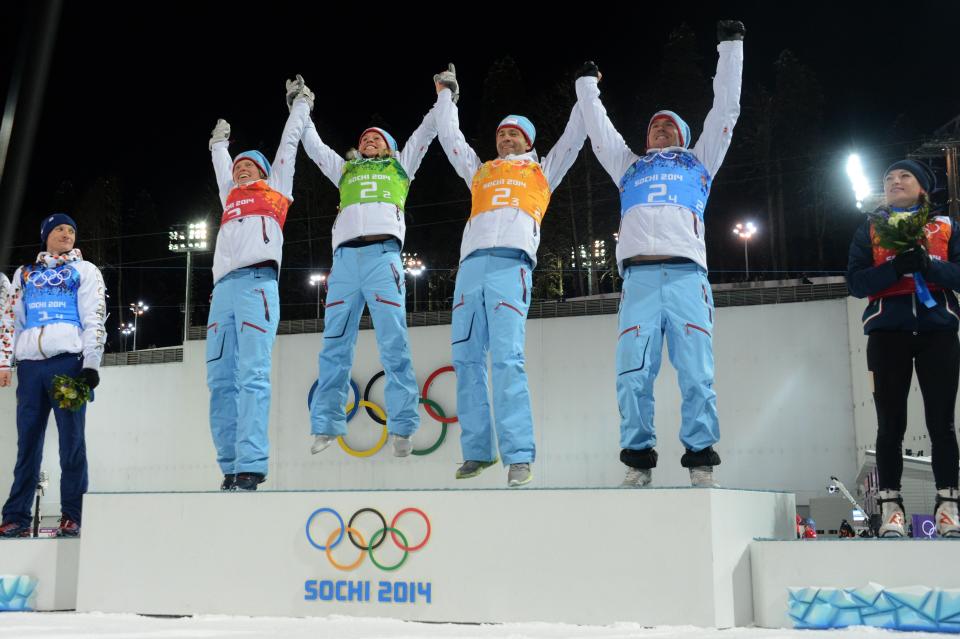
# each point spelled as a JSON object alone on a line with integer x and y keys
{"x": 397, "y": 537}
{"x": 378, "y": 414}
{"x": 383, "y": 434}
{"x": 426, "y": 388}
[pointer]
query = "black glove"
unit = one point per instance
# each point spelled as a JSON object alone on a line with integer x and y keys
{"x": 589, "y": 69}
{"x": 90, "y": 377}
{"x": 730, "y": 30}
{"x": 915, "y": 260}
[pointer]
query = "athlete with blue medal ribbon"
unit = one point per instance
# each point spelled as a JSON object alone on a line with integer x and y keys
{"x": 903, "y": 335}
{"x": 662, "y": 257}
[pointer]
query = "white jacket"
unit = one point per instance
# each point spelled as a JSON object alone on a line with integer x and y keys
{"x": 666, "y": 229}
{"x": 43, "y": 342}
{"x": 507, "y": 227}
{"x": 369, "y": 218}
{"x": 250, "y": 240}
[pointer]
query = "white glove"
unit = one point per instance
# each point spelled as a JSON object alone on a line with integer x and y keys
{"x": 220, "y": 133}
{"x": 297, "y": 89}
{"x": 448, "y": 79}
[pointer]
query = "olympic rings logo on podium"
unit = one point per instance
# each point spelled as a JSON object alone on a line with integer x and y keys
{"x": 379, "y": 415}
{"x": 398, "y": 538}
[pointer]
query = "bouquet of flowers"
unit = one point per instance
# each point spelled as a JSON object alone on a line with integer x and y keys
{"x": 902, "y": 231}
{"x": 70, "y": 393}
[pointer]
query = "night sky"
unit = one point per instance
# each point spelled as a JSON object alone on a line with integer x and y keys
{"x": 133, "y": 94}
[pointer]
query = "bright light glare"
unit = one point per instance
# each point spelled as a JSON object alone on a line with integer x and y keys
{"x": 745, "y": 231}
{"x": 861, "y": 188}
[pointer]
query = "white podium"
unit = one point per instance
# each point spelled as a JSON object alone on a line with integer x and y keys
{"x": 584, "y": 556}
{"x": 52, "y": 562}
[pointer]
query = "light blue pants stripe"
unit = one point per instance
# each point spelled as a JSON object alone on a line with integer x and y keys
{"x": 241, "y": 328}
{"x": 370, "y": 276}
{"x": 491, "y": 300}
{"x": 672, "y": 301}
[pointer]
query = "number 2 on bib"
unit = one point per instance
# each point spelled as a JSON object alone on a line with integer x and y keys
{"x": 501, "y": 197}
{"x": 368, "y": 190}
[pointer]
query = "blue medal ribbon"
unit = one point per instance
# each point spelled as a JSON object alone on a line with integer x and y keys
{"x": 920, "y": 285}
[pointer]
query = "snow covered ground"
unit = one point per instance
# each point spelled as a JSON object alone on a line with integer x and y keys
{"x": 103, "y": 626}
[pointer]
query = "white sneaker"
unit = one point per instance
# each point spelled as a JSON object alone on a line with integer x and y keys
{"x": 402, "y": 446}
{"x": 891, "y": 514}
{"x": 702, "y": 477}
{"x": 637, "y": 478}
{"x": 321, "y": 443}
{"x": 518, "y": 475}
{"x": 946, "y": 515}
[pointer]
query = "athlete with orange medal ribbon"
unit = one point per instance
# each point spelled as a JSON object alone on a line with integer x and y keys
{"x": 492, "y": 294}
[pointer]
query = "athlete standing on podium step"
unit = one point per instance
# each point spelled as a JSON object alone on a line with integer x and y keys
{"x": 492, "y": 295}
{"x": 52, "y": 324}
{"x": 662, "y": 257}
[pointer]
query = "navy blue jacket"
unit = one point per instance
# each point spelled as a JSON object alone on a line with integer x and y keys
{"x": 904, "y": 312}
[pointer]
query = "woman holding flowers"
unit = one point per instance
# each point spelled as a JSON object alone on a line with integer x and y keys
{"x": 906, "y": 259}
{"x": 52, "y": 325}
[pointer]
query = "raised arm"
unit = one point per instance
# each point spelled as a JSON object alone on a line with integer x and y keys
{"x": 564, "y": 153}
{"x": 220, "y": 154}
{"x": 447, "y": 119}
{"x": 300, "y": 100}
{"x": 607, "y": 143}
{"x": 718, "y": 126}
{"x": 418, "y": 142}
{"x": 328, "y": 160}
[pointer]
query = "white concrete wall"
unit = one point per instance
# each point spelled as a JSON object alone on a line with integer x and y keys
{"x": 793, "y": 404}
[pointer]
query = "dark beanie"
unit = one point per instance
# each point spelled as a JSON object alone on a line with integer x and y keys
{"x": 51, "y": 222}
{"x": 919, "y": 170}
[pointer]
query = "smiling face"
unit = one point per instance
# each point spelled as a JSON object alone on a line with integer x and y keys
{"x": 372, "y": 144}
{"x": 901, "y": 189}
{"x": 511, "y": 141}
{"x": 663, "y": 133}
{"x": 246, "y": 171}
{"x": 61, "y": 239}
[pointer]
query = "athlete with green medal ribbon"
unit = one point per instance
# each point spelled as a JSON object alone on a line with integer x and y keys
{"x": 368, "y": 234}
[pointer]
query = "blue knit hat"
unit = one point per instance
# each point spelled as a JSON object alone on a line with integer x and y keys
{"x": 919, "y": 170}
{"x": 257, "y": 158}
{"x": 391, "y": 143}
{"x": 51, "y": 222}
{"x": 682, "y": 127}
{"x": 524, "y": 125}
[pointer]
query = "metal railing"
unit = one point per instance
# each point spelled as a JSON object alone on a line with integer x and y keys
{"x": 746, "y": 294}
{"x": 149, "y": 356}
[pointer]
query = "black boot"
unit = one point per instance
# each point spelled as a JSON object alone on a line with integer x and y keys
{"x": 229, "y": 482}
{"x": 248, "y": 481}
